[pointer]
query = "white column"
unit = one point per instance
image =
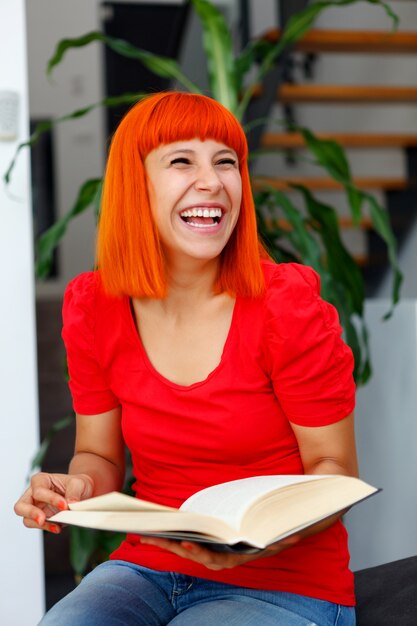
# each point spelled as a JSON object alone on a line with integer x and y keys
{"x": 22, "y": 577}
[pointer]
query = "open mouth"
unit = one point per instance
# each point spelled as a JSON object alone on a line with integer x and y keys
{"x": 202, "y": 217}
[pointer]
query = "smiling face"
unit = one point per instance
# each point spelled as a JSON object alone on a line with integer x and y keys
{"x": 195, "y": 193}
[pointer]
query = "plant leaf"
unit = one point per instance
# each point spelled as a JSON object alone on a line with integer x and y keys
{"x": 59, "y": 425}
{"x": 108, "y": 542}
{"x": 354, "y": 329}
{"x": 341, "y": 265}
{"x": 159, "y": 65}
{"x": 97, "y": 199}
{"x": 218, "y": 46}
{"x": 380, "y": 221}
{"x": 341, "y": 281}
{"x": 254, "y": 50}
{"x": 299, "y": 235}
{"x": 84, "y": 543}
{"x": 302, "y": 21}
{"x": 51, "y": 238}
{"x": 331, "y": 156}
{"x": 43, "y": 127}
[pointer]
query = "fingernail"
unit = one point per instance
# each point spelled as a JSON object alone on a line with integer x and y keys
{"x": 54, "y": 529}
{"x": 62, "y": 506}
{"x": 38, "y": 520}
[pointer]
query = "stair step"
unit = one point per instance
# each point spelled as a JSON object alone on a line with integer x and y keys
{"x": 344, "y": 223}
{"x": 352, "y": 41}
{"x": 327, "y": 184}
{"x": 363, "y": 260}
{"x": 292, "y": 94}
{"x": 347, "y": 140}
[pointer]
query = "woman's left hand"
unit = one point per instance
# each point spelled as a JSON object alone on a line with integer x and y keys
{"x": 217, "y": 560}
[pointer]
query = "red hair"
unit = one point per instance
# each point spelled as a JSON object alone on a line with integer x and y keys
{"x": 129, "y": 253}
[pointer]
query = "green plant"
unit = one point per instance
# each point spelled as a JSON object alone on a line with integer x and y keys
{"x": 313, "y": 234}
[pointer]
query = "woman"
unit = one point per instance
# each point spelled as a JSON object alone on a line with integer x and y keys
{"x": 211, "y": 363}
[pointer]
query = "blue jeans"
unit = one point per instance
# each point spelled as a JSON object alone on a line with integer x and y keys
{"x": 121, "y": 593}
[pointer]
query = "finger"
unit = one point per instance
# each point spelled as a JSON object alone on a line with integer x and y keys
{"x": 49, "y": 489}
{"x": 214, "y": 560}
{"x": 199, "y": 554}
{"x": 46, "y": 496}
{"x": 186, "y": 550}
{"x": 53, "y": 482}
{"x": 43, "y": 498}
{"x": 291, "y": 540}
{"x": 30, "y": 512}
{"x": 26, "y": 496}
{"x": 52, "y": 528}
{"x": 208, "y": 558}
{"x": 79, "y": 487}
{"x": 24, "y": 503}
{"x": 195, "y": 552}
{"x": 38, "y": 514}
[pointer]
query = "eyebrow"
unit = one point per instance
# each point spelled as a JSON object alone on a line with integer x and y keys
{"x": 188, "y": 151}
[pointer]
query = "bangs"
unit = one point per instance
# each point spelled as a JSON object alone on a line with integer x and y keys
{"x": 175, "y": 116}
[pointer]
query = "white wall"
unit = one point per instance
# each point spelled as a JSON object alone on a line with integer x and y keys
{"x": 383, "y": 529}
{"x": 408, "y": 265}
{"x": 21, "y": 592}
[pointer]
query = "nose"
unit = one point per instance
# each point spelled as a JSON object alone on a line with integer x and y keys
{"x": 207, "y": 179}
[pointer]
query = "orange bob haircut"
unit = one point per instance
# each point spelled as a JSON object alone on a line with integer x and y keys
{"x": 129, "y": 253}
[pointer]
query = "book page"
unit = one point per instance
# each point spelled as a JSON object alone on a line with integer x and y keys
{"x": 229, "y": 501}
{"x": 115, "y": 501}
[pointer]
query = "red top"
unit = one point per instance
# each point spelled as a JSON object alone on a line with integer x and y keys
{"x": 283, "y": 361}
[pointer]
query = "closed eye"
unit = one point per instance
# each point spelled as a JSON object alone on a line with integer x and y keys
{"x": 181, "y": 160}
{"x": 227, "y": 162}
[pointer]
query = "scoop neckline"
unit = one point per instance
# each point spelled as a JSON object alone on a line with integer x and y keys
{"x": 166, "y": 381}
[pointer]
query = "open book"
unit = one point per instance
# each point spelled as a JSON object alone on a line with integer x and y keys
{"x": 241, "y": 515}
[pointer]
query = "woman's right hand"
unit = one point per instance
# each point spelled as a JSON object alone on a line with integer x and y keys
{"x": 48, "y": 494}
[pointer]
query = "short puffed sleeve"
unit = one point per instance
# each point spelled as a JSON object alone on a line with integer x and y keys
{"x": 90, "y": 391}
{"x": 311, "y": 367}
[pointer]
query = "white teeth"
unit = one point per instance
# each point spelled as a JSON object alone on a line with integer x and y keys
{"x": 195, "y": 212}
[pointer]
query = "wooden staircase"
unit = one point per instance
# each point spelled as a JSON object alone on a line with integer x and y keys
{"x": 352, "y": 41}
{"x": 400, "y": 192}
{"x": 299, "y": 94}
{"x": 327, "y": 184}
{"x": 346, "y": 140}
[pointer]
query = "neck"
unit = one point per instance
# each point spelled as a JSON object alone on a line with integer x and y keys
{"x": 190, "y": 281}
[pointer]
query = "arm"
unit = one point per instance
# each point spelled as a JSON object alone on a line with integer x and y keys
{"x": 97, "y": 467}
{"x": 99, "y": 451}
{"x": 327, "y": 450}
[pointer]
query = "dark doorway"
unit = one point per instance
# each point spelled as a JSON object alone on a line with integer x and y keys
{"x": 43, "y": 186}
{"x": 157, "y": 28}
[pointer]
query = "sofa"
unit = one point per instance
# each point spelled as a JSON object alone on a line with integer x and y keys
{"x": 387, "y": 594}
